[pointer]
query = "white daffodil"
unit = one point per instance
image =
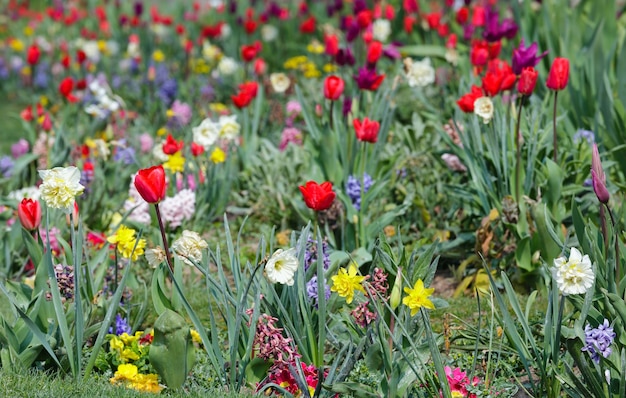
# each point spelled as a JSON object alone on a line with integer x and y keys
{"x": 282, "y": 267}
{"x": 60, "y": 187}
{"x": 573, "y": 275}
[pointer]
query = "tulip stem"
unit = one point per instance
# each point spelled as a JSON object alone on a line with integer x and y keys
{"x": 554, "y": 143}
{"x": 168, "y": 256}
{"x": 330, "y": 114}
{"x": 618, "y": 271}
{"x": 518, "y": 152}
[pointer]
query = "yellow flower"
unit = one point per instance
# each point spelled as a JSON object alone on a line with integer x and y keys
{"x": 102, "y": 46}
{"x": 125, "y": 240}
{"x": 129, "y": 355}
{"x": 125, "y": 371}
{"x": 116, "y": 344}
{"x": 218, "y": 156}
{"x": 195, "y": 336}
{"x": 28, "y": 31}
{"x": 418, "y": 297}
{"x": 295, "y": 62}
{"x": 346, "y": 282}
{"x": 128, "y": 339}
{"x": 162, "y": 131}
{"x": 128, "y": 375}
{"x": 175, "y": 163}
{"x": 218, "y": 107}
{"x": 26, "y": 71}
{"x": 282, "y": 237}
{"x": 43, "y": 100}
{"x": 329, "y": 68}
{"x": 60, "y": 187}
{"x": 17, "y": 45}
{"x": 158, "y": 56}
{"x": 315, "y": 47}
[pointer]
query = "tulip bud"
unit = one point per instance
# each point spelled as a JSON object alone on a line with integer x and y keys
{"x": 559, "y": 74}
{"x": 396, "y": 291}
{"x": 527, "y": 81}
{"x": 598, "y": 178}
{"x": 333, "y": 87}
{"x": 29, "y": 213}
{"x": 150, "y": 184}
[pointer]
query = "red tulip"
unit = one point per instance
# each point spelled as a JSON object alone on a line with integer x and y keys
{"x": 367, "y": 130}
{"x": 32, "y": 55}
{"x": 65, "y": 88}
{"x": 170, "y": 146}
{"x": 241, "y": 99}
{"x": 331, "y": 45}
{"x": 196, "y": 149}
{"x": 29, "y": 213}
{"x": 466, "y": 102}
{"x": 527, "y": 81}
{"x": 308, "y": 25}
{"x": 318, "y": 197}
{"x": 492, "y": 83}
{"x": 374, "y": 51}
{"x": 250, "y": 51}
{"x": 150, "y": 184}
{"x": 559, "y": 74}
{"x": 333, "y": 87}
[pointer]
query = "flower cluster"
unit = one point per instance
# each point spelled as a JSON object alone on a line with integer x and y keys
{"x": 354, "y": 191}
{"x": 598, "y": 340}
{"x": 458, "y": 382}
{"x": 283, "y": 376}
{"x": 270, "y": 342}
{"x": 189, "y": 247}
{"x": 126, "y": 242}
{"x": 573, "y": 275}
{"x": 128, "y": 375}
{"x": 65, "y": 281}
{"x": 346, "y": 282}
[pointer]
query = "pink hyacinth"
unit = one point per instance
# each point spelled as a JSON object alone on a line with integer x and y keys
{"x": 290, "y": 135}
{"x": 146, "y": 142}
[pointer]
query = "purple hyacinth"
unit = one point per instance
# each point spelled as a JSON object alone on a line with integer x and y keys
{"x": 20, "y": 148}
{"x": 41, "y": 78}
{"x": 353, "y": 188}
{"x": 598, "y": 341}
{"x": 584, "y": 135}
{"x": 121, "y": 326}
{"x": 125, "y": 154}
{"x": 524, "y": 57}
{"x": 310, "y": 255}
{"x": 6, "y": 166}
{"x": 311, "y": 290}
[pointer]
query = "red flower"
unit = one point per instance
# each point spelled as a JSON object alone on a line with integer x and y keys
{"x": 366, "y": 131}
{"x": 80, "y": 56}
{"x": 196, "y": 149}
{"x": 331, "y": 43}
{"x": 410, "y": 6}
{"x": 559, "y": 74}
{"x": 170, "y": 146}
{"x": 250, "y": 26}
{"x": 462, "y": 15}
{"x": 29, "y": 213}
{"x": 409, "y": 21}
{"x": 364, "y": 18}
{"x": 260, "y": 66}
{"x": 433, "y": 19}
{"x": 318, "y": 197}
{"x": 527, "y": 81}
{"x": 150, "y": 184}
{"x": 241, "y": 99}
{"x": 250, "y": 51}
{"x": 505, "y": 71}
{"x": 466, "y": 102}
{"x": 374, "y": 51}
{"x": 479, "y": 53}
{"x": 333, "y": 87}
{"x": 32, "y": 55}
{"x": 250, "y": 87}
{"x": 478, "y": 18}
{"x": 308, "y": 26}
{"x": 65, "y": 88}
{"x": 27, "y": 114}
{"x": 491, "y": 83}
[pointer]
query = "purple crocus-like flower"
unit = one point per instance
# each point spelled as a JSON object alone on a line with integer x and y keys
{"x": 494, "y": 30}
{"x": 346, "y": 108}
{"x": 311, "y": 290}
{"x": 121, "y": 326}
{"x": 181, "y": 114}
{"x": 20, "y": 148}
{"x": 583, "y": 135}
{"x": 6, "y": 166}
{"x": 352, "y": 31}
{"x": 311, "y": 253}
{"x": 345, "y": 57}
{"x": 353, "y": 188}
{"x": 598, "y": 341}
{"x": 524, "y": 57}
{"x": 368, "y": 79}
{"x": 125, "y": 154}
{"x": 392, "y": 52}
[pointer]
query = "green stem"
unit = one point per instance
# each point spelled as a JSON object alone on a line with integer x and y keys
{"x": 168, "y": 256}
{"x": 518, "y": 152}
{"x": 554, "y": 141}
{"x": 361, "y": 224}
{"x": 618, "y": 267}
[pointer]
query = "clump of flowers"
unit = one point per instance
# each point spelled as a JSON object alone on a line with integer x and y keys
{"x": 573, "y": 275}
{"x": 181, "y": 207}
{"x": 346, "y": 282}
{"x": 125, "y": 240}
{"x": 458, "y": 382}
{"x": 189, "y": 247}
{"x": 283, "y": 376}
{"x": 598, "y": 340}
{"x": 65, "y": 281}
{"x": 121, "y": 326}
{"x": 362, "y": 315}
{"x": 128, "y": 375}
{"x": 270, "y": 342}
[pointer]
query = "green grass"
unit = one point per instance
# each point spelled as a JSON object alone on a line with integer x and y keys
{"x": 33, "y": 384}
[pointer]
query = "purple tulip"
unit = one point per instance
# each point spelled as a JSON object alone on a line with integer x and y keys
{"x": 368, "y": 79}
{"x": 525, "y": 57}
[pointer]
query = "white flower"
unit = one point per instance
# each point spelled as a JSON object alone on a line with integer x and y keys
{"x": 60, "y": 187}
{"x": 381, "y": 29}
{"x": 227, "y": 66}
{"x": 157, "y": 152}
{"x": 229, "y": 128}
{"x": 269, "y": 33}
{"x": 282, "y": 266}
{"x": 133, "y": 49}
{"x": 27, "y": 192}
{"x": 92, "y": 50}
{"x": 483, "y": 107}
{"x": 207, "y": 133}
{"x": 210, "y": 52}
{"x": 225, "y": 31}
{"x": 155, "y": 256}
{"x": 452, "y": 56}
{"x": 189, "y": 247}
{"x": 573, "y": 276}
{"x": 420, "y": 73}
{"x": 280, "y": 82}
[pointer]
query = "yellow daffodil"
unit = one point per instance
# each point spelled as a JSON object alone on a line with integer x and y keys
{"x": 347, "y": 281}
{"x": 175, "y": 163}
{"x": 218, "y": 156}
{"x": 125, "y": 240}
{"x": 418, "y": 297}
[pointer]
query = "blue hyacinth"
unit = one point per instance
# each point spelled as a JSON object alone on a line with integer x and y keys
{"x": 353, "y": 188}
{"x": 598, "y": 341}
